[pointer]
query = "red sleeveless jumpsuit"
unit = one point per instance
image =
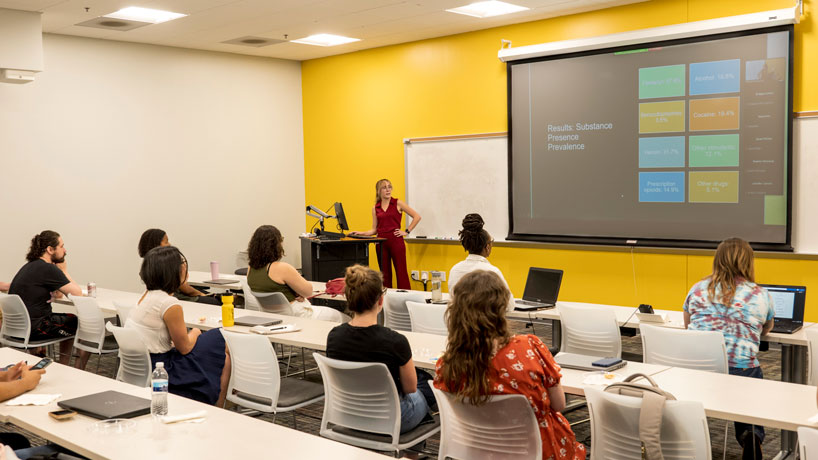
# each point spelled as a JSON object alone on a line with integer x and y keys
{"x": 393, "y": 249}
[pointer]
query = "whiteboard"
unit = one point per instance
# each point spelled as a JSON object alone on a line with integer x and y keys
{"x": 449, "y": 177}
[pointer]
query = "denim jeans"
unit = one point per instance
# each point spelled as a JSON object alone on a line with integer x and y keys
{"x": 413, "y": 408}
{"x": 754, "y": 372}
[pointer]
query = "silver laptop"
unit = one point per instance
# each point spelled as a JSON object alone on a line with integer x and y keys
{"x": 222, "y": 281}
{"x": 256, "y": 321}
{"x": 108, "y": 404}
{"x": 583, "y": 362}
{"x": 788, "y": 302}
{"x": 541, "y": 289}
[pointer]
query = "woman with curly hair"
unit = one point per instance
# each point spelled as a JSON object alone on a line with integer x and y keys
{"x": 483, "y": 359}
{"x": 731, "y": 302}
{"x": 268, "y": 273}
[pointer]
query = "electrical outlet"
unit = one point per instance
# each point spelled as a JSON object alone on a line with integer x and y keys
{"x": 424, "y": 275}
{"x": 415, "y": 275}
{"x": 439, "y": 274}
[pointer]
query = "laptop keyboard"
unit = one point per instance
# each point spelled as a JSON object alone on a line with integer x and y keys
{"x": 529, "y": 303}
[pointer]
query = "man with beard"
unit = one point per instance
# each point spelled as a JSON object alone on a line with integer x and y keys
{"x": 44, "y": 276}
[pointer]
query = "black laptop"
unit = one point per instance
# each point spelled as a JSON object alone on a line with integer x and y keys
{"x": 789, "y": 306}
{"x": 541, "y": 289}
{"x": 108, "y": 404}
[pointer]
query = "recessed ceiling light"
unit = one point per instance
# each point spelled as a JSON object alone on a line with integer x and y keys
{"x": 487, "y": 9}
{"x": 135, "y": 13}
{"x": 326, "y": 40}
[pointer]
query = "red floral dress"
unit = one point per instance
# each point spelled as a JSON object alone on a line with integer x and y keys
{"x": 526, "y": 367}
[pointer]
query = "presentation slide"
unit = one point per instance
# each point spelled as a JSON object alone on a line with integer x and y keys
{"x": 784, "y": 303}
{"x": 681, "y": 141}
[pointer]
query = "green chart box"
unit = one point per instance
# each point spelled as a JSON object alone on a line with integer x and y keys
{"x": 713, "y": 151}
{"x": 665, "y": 81}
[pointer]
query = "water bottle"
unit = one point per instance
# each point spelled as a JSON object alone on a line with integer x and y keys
{"x": 159, "y": 391}
{"x": 227, "y": 309}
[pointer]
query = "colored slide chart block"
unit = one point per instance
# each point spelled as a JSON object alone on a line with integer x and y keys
{"x": 720, "y": 113}
{"x": 715, "y": 77}
{"x": 665, "y": 81}
{"x": 713, "y": 187}
{"x": 662, "y": 152}
{"x": 775, "y": 210}
{"x": 661, "y": 187}
{"x": 713, "y": 151}
{"x": 662, "y": 117}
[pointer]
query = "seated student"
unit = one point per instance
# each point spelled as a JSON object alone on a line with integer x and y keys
{"x": 197, "y": 363}
{"x": 43, "y": 276}
{"x": 482, "y": 359}
{"x": 15, "y": 381}
{"x": 267, "y": 273}
{"x": 477, "y": 241}
{"x": 154, "y": 237}
{"x": 363, "y": 340}
{"x": 730, "y": 301}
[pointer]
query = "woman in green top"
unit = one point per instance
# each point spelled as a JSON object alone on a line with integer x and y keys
{"x": 267, "y": 273}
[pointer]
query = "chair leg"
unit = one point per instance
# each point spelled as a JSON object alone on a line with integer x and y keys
{"x": 295, "y": 423}
{"x": 726, "y": 430}
{"x": 303, "y": 364}
{"x": 99, "y": 360}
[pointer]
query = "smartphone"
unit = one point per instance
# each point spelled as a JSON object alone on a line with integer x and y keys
{"x": 42, "y": 364}
{"x": 606, "y": 362}
{"x": 62, "y": 414}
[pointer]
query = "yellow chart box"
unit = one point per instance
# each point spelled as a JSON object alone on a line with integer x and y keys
{"x": 662, "y": 117}
{"x": 713, "y": 187}
{"x": 718, "y": 113}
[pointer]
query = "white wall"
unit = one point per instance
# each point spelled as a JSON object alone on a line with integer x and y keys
{"x": 114, "y": 138}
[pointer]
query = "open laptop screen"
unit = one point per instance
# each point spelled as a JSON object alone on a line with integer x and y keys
{"x": 542, "y": 285}
{"x": 788, "y": 301}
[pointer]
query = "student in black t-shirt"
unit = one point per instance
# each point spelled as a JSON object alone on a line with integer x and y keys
{"x": 45, "y": 275}
{"x": 363, "y": 340}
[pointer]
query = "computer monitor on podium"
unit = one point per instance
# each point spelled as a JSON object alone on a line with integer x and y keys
{"x": 342, "y": 218}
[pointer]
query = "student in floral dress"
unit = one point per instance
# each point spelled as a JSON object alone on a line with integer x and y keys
{"x": 482, "y": 359}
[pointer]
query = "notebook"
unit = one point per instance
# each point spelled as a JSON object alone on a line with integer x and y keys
{"x": 583, "y": 362}
{"x": 541, "y": 289}
{"x": 256, "y": 321}
{"x": 108, "y": 404}
{"x": 789, "y": 306}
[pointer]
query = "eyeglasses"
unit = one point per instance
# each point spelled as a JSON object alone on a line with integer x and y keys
{"x": 384, "y": 291}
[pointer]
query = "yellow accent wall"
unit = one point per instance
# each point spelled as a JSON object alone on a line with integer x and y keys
{"x": 358, "y": 108}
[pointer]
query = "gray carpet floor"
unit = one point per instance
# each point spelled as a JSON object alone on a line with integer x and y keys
{"x": 308, "y": 419}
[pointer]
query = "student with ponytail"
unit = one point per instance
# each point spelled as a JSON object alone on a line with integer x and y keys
{"x": 363, "y": 340}
{"x": 477, "y": 241}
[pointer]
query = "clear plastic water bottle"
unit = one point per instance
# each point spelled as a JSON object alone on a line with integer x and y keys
{"x": 159, "y": 391}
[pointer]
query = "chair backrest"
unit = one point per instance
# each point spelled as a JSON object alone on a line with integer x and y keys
{"x": 90, "y": 325}
{"x": 395, "y": 313}
{"x": 123, "y": 310}
{"x": 590, "y": 331}
{"x": 504, "y": 428}
{"x": 361, "y": 396}
{"x": 270, "y": 302}
{"x": 255, "y": 380}
{"x": 615, "y": 428}
{"x": 808, "y": 442}
{"x": 16, "y": 321}
{"x": 701, "y": 350}
{"x": 427, "y": 318}
{"x": 135, "y": 365}
{"x": 812, "y": 350}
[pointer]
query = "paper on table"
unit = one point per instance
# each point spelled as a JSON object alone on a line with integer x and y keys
{"x": 277, "y": 329}
{"x": 32, "y": 399}
{"x": 602, "y": 378}
{"x": 193, "y": 416}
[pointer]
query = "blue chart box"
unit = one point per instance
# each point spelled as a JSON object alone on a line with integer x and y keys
{"x": 661, "y": 187}
{"x": 715, "y": 77}
{"x": 662, "y": 152}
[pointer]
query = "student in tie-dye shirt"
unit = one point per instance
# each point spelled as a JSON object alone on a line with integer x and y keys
{"x": 731, "y": 302}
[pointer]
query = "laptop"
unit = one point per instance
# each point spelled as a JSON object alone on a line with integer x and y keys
{"x": 222, "y": 281}
{"x": 255, "y": 321}
{"x": 583, "y": 362}
{"x": 541, "y": 289}
{"x": 108, "y": 404}
{"x": 789, "y": 306}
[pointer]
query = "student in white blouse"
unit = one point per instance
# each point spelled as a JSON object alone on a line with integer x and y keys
{"x": 477, "y": 241}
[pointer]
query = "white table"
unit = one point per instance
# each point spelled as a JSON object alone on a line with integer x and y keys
{"x": 196, "y": 278}
{"x": 572, "y": 379}
{"x": 223, "y": 434}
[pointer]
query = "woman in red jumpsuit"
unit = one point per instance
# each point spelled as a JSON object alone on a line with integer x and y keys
{"x": 386, "y": 217}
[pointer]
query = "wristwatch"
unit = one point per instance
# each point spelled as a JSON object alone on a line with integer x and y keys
{"x": 407, "y": 231}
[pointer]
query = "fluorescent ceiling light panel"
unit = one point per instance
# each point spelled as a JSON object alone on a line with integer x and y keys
{"x": 135, "y": 13}
{"x": 326, "y": 40}
{"x": 487, "y": 9}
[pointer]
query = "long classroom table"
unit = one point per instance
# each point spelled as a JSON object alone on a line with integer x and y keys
{"x": 223, "y": 434}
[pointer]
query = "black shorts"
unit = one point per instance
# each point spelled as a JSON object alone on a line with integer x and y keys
{"x": 54, "y": 326}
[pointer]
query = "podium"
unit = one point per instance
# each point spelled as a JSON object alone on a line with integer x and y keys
{"x": 323, "y": 260}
